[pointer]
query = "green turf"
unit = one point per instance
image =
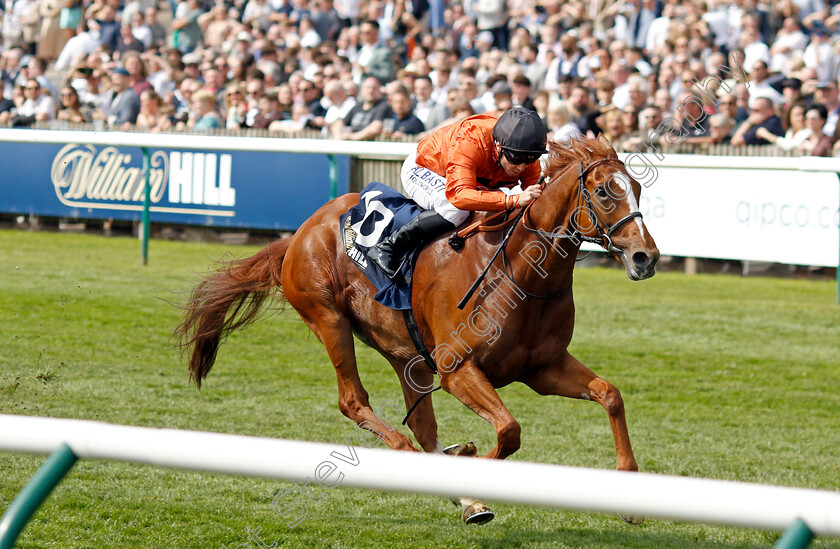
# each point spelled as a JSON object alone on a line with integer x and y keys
{"x": 723, "y": 377}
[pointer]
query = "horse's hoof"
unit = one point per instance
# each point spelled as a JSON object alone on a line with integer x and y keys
{"x": 477, "y": 513}
{"x": 467, "y": 449}
{"x": 630, "y": 519}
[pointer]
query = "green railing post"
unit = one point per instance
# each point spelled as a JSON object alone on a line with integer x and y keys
{"x": 34, "y": 493}
{"x": 333, "y": 176}
{"x": 147, "y": 199}
{"x": 798, "y": 536}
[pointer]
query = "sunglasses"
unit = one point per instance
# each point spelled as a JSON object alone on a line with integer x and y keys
{"x": 518, "y": 157}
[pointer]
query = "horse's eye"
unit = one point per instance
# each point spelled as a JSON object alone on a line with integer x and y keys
{"x": 600, "y": 192}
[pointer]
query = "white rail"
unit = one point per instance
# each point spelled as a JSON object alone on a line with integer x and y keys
{"x": 384, "y": 150}
{"x": 691, "y": 499}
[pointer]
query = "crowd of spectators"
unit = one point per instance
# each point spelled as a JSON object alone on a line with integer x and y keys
{"x": 642, "y": 72}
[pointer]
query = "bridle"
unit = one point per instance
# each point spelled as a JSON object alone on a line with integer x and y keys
{"x": 604, "y": 231}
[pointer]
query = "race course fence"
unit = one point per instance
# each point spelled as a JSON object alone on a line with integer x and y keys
{"x": 761, "y": 209}
{"x": 803, "y": 513}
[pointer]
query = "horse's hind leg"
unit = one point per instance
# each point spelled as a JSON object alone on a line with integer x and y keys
{"x": 570, "y": 378}
{"x": 334, "y": 330}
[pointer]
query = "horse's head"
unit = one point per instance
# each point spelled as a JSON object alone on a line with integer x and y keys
{"x": 606, "y": 206}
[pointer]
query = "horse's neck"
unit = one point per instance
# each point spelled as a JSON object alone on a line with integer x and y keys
{"x": 541, "y": 260}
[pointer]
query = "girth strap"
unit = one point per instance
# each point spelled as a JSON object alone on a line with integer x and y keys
{"x": 423, "y": 351}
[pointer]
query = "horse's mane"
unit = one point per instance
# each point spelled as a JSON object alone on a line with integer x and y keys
{"x": 577, "y": 149}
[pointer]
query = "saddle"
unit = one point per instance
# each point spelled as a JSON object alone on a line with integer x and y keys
{"x": 381, "y": 211}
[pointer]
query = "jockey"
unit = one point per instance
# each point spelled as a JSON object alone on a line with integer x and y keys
{"x": 459, "y": 169}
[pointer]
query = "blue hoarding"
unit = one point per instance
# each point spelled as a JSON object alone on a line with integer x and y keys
{"x": 260, "y": 190}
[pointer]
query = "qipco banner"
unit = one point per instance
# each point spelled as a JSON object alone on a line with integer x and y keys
{"x": 779, "y": 216}
{"x": 260, "y": 190}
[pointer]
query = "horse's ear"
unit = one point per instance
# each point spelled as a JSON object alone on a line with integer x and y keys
{"x": 604, "y": 141}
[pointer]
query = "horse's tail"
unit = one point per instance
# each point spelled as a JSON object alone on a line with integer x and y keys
{"x": 226, "y": 300}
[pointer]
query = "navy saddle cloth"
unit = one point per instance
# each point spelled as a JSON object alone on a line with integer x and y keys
{"x": 380, "y": 212}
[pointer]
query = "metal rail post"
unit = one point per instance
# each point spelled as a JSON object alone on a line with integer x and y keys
{"x": 333, "y": 176}
{"x": 147, "y": 199}
{"x": 798, "y": 536}
{"x": 34, "y": 493}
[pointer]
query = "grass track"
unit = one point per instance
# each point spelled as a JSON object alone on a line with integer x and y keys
{"x": 723, "y": 377}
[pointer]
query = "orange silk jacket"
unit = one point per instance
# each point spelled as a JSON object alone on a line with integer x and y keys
{"x": 464, "y": 153}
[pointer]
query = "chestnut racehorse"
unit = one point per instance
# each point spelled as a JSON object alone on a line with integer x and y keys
{"x": 516, "y": 327}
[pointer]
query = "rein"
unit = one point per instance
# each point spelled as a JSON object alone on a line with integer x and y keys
{"x": 603, "y": 239}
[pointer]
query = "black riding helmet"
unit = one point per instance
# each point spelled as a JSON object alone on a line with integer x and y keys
{"x": 521, "y": 130}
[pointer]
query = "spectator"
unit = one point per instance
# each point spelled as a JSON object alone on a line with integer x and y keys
{"x": 71, "y": 107}
{"x": 374, "y": 58}
{"x": 364, "y": 121}
{"x": 152, "y": 118}
{"x": 604, "y": 92}
{"x": 125, "y": 105}
{"x": 637, "y": 91}
{"x": 760, "y": 84}
{"x": 269, "y": 111}
{"x": 430, "y": 112}
{"x": 109, "y": 28}
{"x": 52, "y": 39}
{"x": 206, "y": 116}
{"x": 728, "y": 104}
{"x": 583, "y": 111}
{"x": 826, "y": 94}
{"x": 761, "y": 116}
{"x": 613, "y": 126}
{"x": 235, "y": 106}
{"x": 157, "y": 30}
{"x": 818, "y": 143}
{"x": 310, "y": 95}
{"x": 649, "y": 120}
{"x": 37, "y": 107}
{"x": 792, "y": 91}
{"x": 217, "y": 27}
{"x": 136, "y": 73}
{"x": 720, "y": 128}
{"x": 187, "y": 32}
{"x": 10, "y": 70}
{"x": 560, "y": 124}
{"x": 402, "y": 121}
{"x": 339, "y": 102}
{"x": 127, "y": 42}
{"x": 692, "y": 117}
{"x": 630, "y": 119}
{"x": 9, "y": 112}
{"x": 502, "y": 96}
{"x": 35, "y": 69}
{"x": 141, "y": 30}
{"x": 468, "y": 89}
{"x": 521, "y": 96}
{"x": 797, "y": 131}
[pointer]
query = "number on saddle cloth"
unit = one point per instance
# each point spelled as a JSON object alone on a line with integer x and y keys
{"x": 381, "y": 211}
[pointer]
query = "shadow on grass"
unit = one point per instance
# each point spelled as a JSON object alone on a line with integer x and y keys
{"x": 589, "y": 537}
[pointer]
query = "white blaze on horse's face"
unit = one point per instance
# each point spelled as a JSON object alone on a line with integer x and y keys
{"x": 626, "y": 191}
{"x": 638, "y": 252}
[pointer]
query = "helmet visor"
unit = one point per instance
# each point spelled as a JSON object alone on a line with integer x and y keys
{"x": 520, "y": 157}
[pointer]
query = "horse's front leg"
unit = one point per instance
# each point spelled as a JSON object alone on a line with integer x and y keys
{"x": 570, "y": 378}
{"x": 469, "y": 385}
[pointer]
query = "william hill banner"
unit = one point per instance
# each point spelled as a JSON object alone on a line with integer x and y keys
{"x": 210, "y": 188}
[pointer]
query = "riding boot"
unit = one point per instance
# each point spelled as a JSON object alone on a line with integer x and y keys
{"x": 389, "y": 254}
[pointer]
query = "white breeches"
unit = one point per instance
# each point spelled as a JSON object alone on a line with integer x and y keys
{"x": 428, "y": 189}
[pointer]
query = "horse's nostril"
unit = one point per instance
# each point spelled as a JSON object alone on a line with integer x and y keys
{"x": 641, "y": 259}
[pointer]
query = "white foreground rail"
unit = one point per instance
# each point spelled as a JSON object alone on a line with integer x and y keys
{"x": 691, "y": 499}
